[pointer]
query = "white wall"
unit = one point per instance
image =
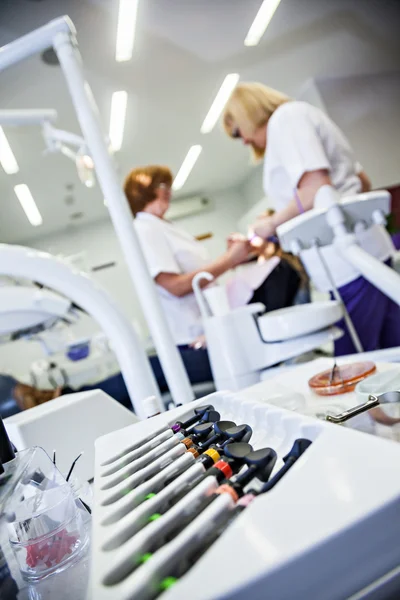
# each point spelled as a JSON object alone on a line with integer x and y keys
{"x": 310, "y": 92}
{"x": 100, "y": 245}
{"x": 367, "y": 109}
{"x": 252, "y": 188}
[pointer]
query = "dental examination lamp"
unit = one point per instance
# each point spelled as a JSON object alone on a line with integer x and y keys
{"x": 58, "y": 140}
{"x": 25, "y": 309}
{"x": 69, "y": 144}
{"x": 244, "y": 342}
{"x": 60, "y": 35}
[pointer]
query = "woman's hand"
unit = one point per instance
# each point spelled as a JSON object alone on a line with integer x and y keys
{"x": 265, "y": 227}
{"x": 235, "y": 237}
{"x": 199, "y": 343}
{"x": 238, "y": 252}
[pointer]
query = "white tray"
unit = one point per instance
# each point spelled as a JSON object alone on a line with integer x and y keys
{"x": 326, "y": 530}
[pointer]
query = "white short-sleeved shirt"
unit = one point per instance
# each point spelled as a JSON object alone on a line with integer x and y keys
{"x": 302, "y": 138}
{"x": 169, "y": 249}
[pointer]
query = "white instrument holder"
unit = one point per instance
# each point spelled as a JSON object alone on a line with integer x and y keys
{"x": 299, "y": 233}
{"x": 322, "y": 238}
{"x": 328, "y": 528}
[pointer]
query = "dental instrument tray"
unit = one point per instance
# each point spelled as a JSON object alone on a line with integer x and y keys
{"x": 226, "y": 497}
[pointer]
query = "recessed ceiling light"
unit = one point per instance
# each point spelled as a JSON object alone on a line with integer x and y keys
{"x": 186, "y": 167}
{"x": 261, "y": 22}
{"x": 7, "y": 158}
{"x": 27, "y": 202}
{"x": 220, "y": 100}
{"x": 119, "y": 102}
{"x": 126, "y": 29}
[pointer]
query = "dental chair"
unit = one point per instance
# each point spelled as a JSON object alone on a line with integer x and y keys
{"x": 243, "y": 343}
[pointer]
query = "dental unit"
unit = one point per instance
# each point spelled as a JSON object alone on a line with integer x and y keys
{"x": 229, "y": 496}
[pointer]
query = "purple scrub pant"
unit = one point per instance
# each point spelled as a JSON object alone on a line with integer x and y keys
{"x": 375, "y": 317}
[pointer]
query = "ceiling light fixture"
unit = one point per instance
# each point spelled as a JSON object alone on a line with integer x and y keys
{"x": 119, "y": 102}
{"x": 7, "y": 158}
{"x": 186, "y": 167}
{"x": 261, "y": 22}
{"x": 221, "y": 99}
{"x": 27, "y": 202}
{"x": 126, "y": 29}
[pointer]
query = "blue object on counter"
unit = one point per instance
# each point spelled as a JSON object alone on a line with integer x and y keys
{"x": 78, "y": 351}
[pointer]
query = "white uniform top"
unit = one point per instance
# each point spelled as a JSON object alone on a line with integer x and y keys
{"x": 169, "y": 249}
{"x": 302, "y": 138}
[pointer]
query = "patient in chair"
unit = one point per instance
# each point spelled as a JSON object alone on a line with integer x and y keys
{"x": 273, "y": 277}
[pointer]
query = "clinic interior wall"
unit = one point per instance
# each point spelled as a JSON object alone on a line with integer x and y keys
{"x": 367, "y": 109}
{"x": 252, "y": 188}
{"x": 99, "y": 244}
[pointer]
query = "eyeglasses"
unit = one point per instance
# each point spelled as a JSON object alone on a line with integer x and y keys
{"x": 235, "y": 133}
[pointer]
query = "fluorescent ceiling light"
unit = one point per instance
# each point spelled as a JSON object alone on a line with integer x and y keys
{"x": 7, "y": 158}
{"x": 261, "y": 22}
{"x": 117, "y": 119}
{"x": 27, "y": 202}
{"x": 221, "y": 99}
{"x": 186, "y": 167}
{"x": 126, "y": 29}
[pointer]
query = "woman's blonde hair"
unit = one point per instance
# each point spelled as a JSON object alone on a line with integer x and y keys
{"x": 250, "y": 107}
{"x": 141, "y": 185}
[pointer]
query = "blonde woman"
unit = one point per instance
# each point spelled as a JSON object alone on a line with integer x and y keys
{"x": 303, "y": 150}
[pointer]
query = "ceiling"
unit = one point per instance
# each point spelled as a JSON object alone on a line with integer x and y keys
{"x": 183, "y": 50}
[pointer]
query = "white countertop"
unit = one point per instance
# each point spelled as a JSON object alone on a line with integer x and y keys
{"x": 289, "y": 388}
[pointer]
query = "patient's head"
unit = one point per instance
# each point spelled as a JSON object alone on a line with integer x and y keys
{"x": 148, "y": 189}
